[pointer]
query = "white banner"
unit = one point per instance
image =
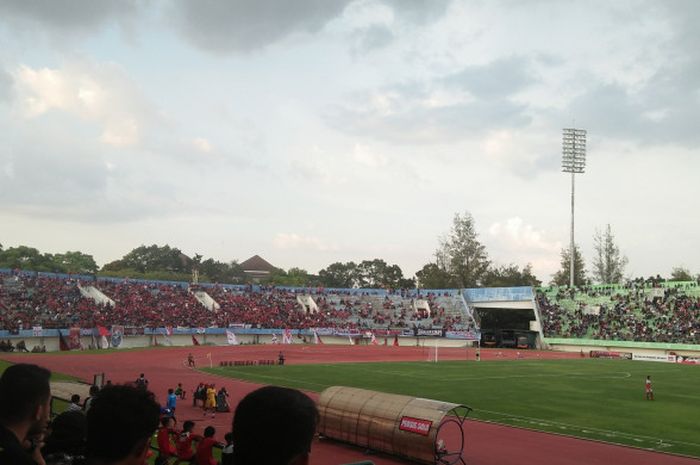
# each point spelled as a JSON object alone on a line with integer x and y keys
{"x": 231, "y": 338}
{"x": 654, "y": 358}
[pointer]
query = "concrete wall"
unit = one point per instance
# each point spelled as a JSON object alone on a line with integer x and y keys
{"x": 181, "y": 340}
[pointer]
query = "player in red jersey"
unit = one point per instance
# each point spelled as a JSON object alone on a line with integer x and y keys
{"x": 648, "y": 391}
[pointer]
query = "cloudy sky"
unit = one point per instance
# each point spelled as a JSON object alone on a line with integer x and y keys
{"x": 317, "y": 131}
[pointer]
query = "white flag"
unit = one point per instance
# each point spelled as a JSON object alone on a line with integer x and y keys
{"x": 231, "y": 338}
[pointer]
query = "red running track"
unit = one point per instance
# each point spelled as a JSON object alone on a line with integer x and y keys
{"x": 486, "y": 443}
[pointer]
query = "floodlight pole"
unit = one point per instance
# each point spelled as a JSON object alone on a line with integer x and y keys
{"x": 573, "y": 161}
{"x": 571, "y": 246}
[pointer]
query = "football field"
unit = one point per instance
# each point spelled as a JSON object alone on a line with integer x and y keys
{"x": 589, "y": 398}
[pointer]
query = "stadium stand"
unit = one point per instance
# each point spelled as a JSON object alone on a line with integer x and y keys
{"x": 48, "y": 300}
{"x": 654, "y": 311}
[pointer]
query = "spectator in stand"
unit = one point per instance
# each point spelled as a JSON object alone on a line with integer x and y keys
{"x": 274, "y": 426}
{"x": 184, "y": 442}
{"x": 227, "y": 451}
{"x": 121, "y": 421}
{"x": 166, "y": 449}
{"x": 94, "y": 390}
{"x": 25, "y": 408}
{"x": 65, "y": 444}
{"x": 205, "y": 454}
{"x": 74, "y": 405}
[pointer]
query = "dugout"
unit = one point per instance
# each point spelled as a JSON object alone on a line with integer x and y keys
{"x": 422, "y": 430}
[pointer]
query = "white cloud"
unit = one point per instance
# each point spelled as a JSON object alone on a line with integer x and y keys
{"x": 363, "y": 155}
{"x": 296, "y": 241}
{"x": 515, "y": 241}
{"x": 201, "y": 144}
{"x": 99, "y": 93}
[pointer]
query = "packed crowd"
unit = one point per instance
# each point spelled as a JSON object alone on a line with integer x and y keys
{"x": 27, "y": 301}
{"x": 635, "y": 312}
{"x": 115, "y": 425}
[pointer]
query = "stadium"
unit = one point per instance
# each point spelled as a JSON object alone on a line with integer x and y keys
{"x": 537, "y": 366}
{"x": 469, "y": 226}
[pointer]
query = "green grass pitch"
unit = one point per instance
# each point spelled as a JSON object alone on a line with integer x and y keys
{"x": 595, "y": 399}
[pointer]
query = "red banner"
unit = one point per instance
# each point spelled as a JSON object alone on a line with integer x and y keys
{"x": 74, "y": 338}
{"x": 415, "y": 425}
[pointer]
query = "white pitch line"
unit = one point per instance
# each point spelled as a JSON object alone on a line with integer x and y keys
{"x": 589, "y": 429}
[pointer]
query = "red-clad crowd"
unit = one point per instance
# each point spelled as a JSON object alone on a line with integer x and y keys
{"x": 57, "y": 302}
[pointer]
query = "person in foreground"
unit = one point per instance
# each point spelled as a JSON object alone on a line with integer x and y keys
{"x": 274, "y": 426}
{"x": 121, "y": 421}
{"x": 25, "y": 409}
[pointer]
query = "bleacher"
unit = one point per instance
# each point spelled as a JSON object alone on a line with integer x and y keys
{"x": 647, "y": 312}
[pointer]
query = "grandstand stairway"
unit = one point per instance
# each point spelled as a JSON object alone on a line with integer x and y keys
{"x": 96, "y": 295}
{"x": 206, "y": 300}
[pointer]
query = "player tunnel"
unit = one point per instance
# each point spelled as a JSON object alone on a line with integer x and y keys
{"x": 421, "y": 430}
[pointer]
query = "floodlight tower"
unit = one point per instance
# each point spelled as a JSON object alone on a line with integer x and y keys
{"x": 573, "y": 161}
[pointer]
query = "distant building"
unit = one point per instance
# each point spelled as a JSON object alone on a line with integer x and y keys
{"x": 257, "y": 268}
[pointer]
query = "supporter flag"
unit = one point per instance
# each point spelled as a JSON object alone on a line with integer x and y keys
{"x": 373, "y": 340}
{"x": 274, "y": 339}
{"x": 231, "y": 338}
{"x": 166, "y": 332}
{"x": 201, "y": 330}
{"x": 37, "y": 331}
{"x": 396, "y": 340}
{"x": 287, "y": 336}
{"x": 62, "y": 342}
{"x": 195, "y": 341}
{"x": 74, "y": 338}
{"x": 352, "y": 343}
{"x": 102, "y": 331}
{"x": 104, "y": 342}
{"x": 317, "y": 338}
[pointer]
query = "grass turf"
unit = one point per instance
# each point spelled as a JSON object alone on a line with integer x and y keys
{"x": 595, "y": 399}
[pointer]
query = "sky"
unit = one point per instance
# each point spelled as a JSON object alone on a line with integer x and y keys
{"x": 317, "y": 131}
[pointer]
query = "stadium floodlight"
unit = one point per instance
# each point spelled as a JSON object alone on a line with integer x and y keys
{"x": 573, "y": 161}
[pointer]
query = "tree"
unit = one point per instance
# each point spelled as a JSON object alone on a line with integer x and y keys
{"x": 75, "y": 262}
{"x": 219, "y": 272}
{"x": 27, "y": 258}
{"x": 295, "y": 277}
{"x": 153, "y": 258}
{"x": 339, "y": 275}
{"x": 680, "y": 273}
{"x": 561, "y": 277}
{"x": 379, "y": 274}
{"x": 432, "y": 276}
{"x": 461, "y": 254}
{"x": 608, "y": 264}
{"x": 510, "y": 275}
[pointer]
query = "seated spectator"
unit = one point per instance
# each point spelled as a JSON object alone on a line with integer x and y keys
{"x": 205, "y": 454}
{"x": 121, "y": 421}
{"x": 25, "y": 409}
{"x": 166, "y": 449}
{"x": 65, "y": 444}
{"x": 74, "y": 405}
{"x": 274, "y": 426}
{"x": 227, "y": 451}
{"x": 184, "y": 442}
{"x": 94, "y": 390}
